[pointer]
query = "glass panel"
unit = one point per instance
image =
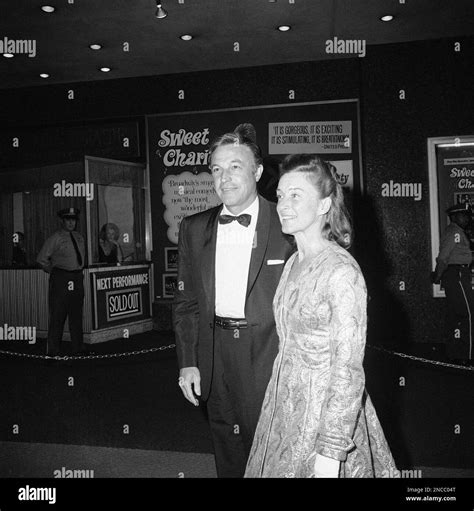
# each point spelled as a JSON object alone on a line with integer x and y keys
{"x": 120, "y": 229}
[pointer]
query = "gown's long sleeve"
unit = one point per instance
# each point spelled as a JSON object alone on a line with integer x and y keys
{"x": 347, "y": 297}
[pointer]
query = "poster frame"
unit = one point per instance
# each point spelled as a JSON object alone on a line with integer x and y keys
{"x": 169, "y": 267}
{"x": 356, "y": 145}
{"x": 277, "y": 105}
{"x": 165, "y": 278}
{"x": 432, "y": 144}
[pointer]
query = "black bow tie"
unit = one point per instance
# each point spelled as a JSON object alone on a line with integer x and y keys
{"x": 242, "y": 219}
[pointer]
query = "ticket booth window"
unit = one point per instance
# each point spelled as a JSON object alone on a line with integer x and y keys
{"x": 115, "y": 201}
{"x": 117, "y": 215}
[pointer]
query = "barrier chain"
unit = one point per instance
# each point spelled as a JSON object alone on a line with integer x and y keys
{"x": 170, "y": 346}
{"x": 420, "y": 359}
{"x": 89, "y": 357}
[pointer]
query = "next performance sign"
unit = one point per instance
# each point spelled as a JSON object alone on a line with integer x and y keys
{"x": 121, "y": 296}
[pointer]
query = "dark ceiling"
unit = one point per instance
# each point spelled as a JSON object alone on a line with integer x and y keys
{"x": 63, "y": 38}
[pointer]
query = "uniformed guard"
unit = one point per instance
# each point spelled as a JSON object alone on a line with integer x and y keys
{"x": 62, "y": 256}
{"x": 453, "y": 270}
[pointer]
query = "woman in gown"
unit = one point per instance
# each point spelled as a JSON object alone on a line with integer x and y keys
{"x": 317, "y": 419}
{"x": 109, "y": 249}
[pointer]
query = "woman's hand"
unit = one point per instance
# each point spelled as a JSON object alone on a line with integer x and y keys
{"x": 326, "y": 467}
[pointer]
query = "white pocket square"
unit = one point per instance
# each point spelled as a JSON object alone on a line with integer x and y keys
{"x": 275, "y": 261}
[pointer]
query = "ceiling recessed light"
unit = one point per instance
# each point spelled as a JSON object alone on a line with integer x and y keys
{"x": 48, "y": 8}
{"x": 284, "y": 28}
{"x": 160, "y": 12}
{"x": 186, "y": 37}
{"x": 105, "y": 69}
{"x": 389, "y": 17}
{"x": 44, "y": 75}
{"x": 95, "y": 46}
{"x": 8, "y": 55}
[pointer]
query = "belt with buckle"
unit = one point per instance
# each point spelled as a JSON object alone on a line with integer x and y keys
{"x": 460, "y": 265}
{"x": 62, "y": 270}
{"x": 230, "y": 323}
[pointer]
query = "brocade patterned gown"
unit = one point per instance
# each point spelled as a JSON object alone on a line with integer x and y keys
{"x": 316, "y": 400}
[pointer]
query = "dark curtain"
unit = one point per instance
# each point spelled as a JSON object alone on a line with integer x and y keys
{"x": 138, "y": 195}
{"x": 94, "y": 233}
{"x": 6, "y": 229}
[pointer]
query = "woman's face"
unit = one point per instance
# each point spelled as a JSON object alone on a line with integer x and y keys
{"x": 110, "y": 234}
{"x": 300, "y": 207}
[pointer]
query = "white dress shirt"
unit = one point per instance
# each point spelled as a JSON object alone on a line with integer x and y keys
{"x": 233, "y": 253}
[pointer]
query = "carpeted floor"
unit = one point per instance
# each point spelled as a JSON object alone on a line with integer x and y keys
{"x": 130, "y": 401}
{"x": 33, "y": 460}
{"x": 126, "y": 415}
{"x": 426, "y": 409}
{"x": 20, "y": 459}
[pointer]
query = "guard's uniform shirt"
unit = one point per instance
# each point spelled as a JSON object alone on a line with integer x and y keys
{"x": 58, "y": 251}
{"x": 455, "y": 255}
{"x": 63, "y": 255}
{"x": 454, "y": 246}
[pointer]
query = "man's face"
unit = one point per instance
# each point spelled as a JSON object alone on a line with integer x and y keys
{"x": 235, "y": 176}
{"x": 463, "y": 219}
{"x": 69, "y": 224}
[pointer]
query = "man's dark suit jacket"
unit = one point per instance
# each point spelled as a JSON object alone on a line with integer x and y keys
{"x": 194, "y": 304}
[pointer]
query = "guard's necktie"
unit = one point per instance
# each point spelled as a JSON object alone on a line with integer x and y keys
{"x": 242, "y": 219}
{"x": 76, "y": 248}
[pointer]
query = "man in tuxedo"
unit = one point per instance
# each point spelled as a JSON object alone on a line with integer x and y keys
{"x": 230, "y": 260}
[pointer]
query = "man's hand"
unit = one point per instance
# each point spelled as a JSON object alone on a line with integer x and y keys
{"x": 189, "y": 377}
{"x": 435, "y": 279}
{"x": 326, "y": 467}
{"x": 436, "y": 275}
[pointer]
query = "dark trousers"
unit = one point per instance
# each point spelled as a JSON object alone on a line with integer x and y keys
{"x": 456, "y": 281}
{"x": 234, "y": 402}
{"x": 66, "y": 299}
